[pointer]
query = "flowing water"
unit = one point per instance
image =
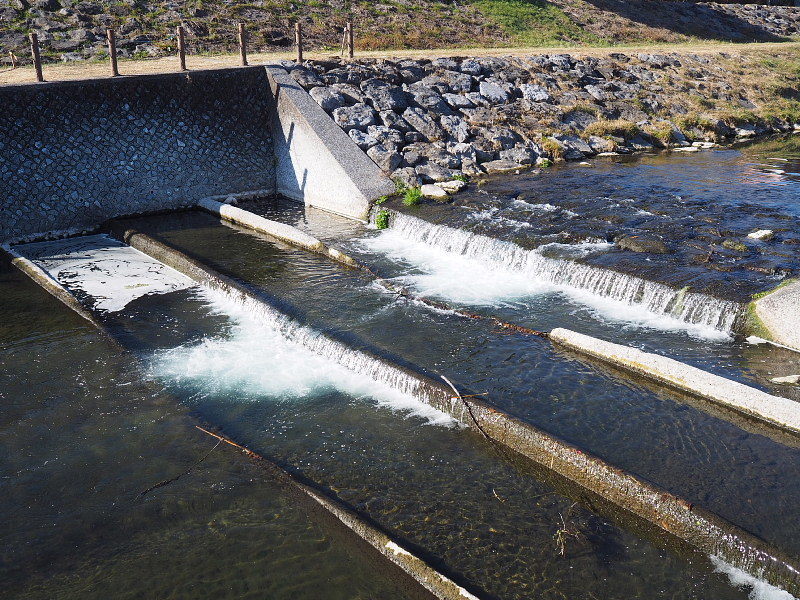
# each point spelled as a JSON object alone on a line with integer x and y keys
{"x": 89, "y": 426}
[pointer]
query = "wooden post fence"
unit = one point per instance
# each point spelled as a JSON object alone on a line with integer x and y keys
{"x": 112, "y": 51}
{"x": 243, "y": 44}
{"x": 181, "y": 47}
{"x": 37, "y": 60}
{"x": 298, "y": 38}
{"x": 350, "y": 45}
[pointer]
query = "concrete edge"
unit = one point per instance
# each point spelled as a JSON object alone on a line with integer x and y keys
{"x": 778, "y": 313}
{"x": 773, "y": 410}
{"x": 355, "y": 169}
{"x": 50, "y": 285}
{"x": 276, "y": 229}
{"x": 706, "y": 531}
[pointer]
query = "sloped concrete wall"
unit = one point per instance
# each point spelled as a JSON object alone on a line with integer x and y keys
{"x": 318, "y": 163}
{"x": 73, "y": 154}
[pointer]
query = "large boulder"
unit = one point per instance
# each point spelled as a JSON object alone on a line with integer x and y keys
{"x": 384, "y": 96}
{"x": 522, "y": 155}
{"x": 429, "y": 100}
{"x": 456, "y": 127}
{"x": 329, "y": 99}
{"x": 534, "y": 93}
{"x": 361, "y": 139}
{"x": 493, "y": 91}
{"x": 422, "y": 122}
{"x": 358, "y": 116}
{"x": 431, "y": 173}
{"x": 387, "y": 159}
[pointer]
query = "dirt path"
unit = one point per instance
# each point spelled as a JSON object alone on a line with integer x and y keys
{"x": 91, "y": 70}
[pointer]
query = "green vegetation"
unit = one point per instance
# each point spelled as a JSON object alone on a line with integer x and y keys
{"x": 381, "y": 200}
{"x": 535, "y": 23}
{"x": 616, "y": 128}
{"x": 382, "y": 219}
{"x": 462, "y": 177}
{"x": 412, "y": 196}
{"x": 545, "y": 163}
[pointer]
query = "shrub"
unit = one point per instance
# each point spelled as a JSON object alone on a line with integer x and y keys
{"x": 382, "y": 219}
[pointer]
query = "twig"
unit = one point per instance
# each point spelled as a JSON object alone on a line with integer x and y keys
{"x": 186, "y": 472}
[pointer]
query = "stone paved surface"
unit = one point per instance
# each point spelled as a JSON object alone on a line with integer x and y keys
{"x": 75, "y": 154}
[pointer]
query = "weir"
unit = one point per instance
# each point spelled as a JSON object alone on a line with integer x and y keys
{"x": 657, "y": 298}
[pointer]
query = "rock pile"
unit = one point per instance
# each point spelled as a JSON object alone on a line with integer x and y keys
{"x": 427, "y": 121}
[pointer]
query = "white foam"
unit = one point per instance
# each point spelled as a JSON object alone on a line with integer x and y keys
{"x": 108, "y": 272}
{"x": 256, "y": 360}
{"x": 439, "y": 273}
{"x": 759, "y": 589}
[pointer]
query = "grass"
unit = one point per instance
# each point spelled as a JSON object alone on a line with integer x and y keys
{"x": 617, "y": 128}
{"x": 412, "y": 196}
{"x": 535, "y": 23}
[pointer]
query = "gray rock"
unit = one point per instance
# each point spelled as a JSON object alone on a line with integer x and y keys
{"x": 385, "y": 158}
{"x": 640, "y": 144}
{"x": 361, "y": 139}
{"x": 463, "y": 152}
{"x": 431, "y": 173}
{"x": 384, "y": 96}
{"x": 393, "y": 120}
{"x": 411, "y": 157}
{"x": 458, "y": 101}
{"x": 598, "y": 144}
{"x": 423, "y": 123}
{"x": 329, "y": 99}
{"x": 358, "y": 116}
{"x": 499, "y": 137}
{"x": 305, "y": 77}
{"x": 385, "y": 135}
{"x": 471, "y": 67}
{"x": 350, "y": 92}
{"x": 534, "y": 93}
{"x": 456, "y": 127}
{"x": 471, "y": 168}
{"x": 413, "y": 137}
{"x": 445, "y": 63}
{"x": 493, "y": 92}
{"x": 574, "y": 147}
{"x": 429, "y": 100}
{"x": 408, "y": 177}
{"x": 521, "y": 155}
{"x": 638, "y": 243}
{"x": 434, "y": 192}
{"x": 500, "y": 166}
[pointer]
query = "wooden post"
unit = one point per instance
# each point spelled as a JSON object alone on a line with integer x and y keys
{"x": 181, "y": 47}
{"x": 298, "y": 39}
{"x": 350, "y": 45}
{"x": 112, "y": 51}
{"x": 243, "y": 44}
{"x": 37, "y": 60}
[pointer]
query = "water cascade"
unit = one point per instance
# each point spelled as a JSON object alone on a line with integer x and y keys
{"x": 657, "y": 298}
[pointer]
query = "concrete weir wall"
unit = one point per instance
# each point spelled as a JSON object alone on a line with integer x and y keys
{"x": 74, "y": 154}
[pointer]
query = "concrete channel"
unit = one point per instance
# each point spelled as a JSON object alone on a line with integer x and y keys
{"x": 706, "y": 531}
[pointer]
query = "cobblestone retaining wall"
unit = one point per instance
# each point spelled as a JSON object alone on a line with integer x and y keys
{"x": 73, "y": 154}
